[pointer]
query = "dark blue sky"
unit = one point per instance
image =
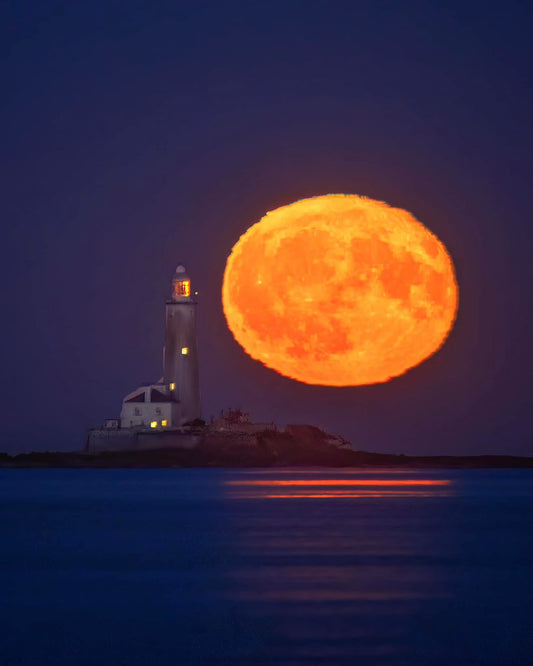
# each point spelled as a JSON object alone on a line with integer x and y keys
{"x": 142, "y": 134}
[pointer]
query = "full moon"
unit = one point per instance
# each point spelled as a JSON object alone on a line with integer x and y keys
{"x": 339, "y": 290}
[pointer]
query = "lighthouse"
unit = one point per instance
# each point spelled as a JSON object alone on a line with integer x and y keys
{"x": 174, "y": 400}
{"x": 180, "y": 356}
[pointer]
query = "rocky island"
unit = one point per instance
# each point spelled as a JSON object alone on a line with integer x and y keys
{"x": 236, "y": 445}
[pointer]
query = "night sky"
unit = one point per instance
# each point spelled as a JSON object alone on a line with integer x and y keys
{"x": 138, "y": 135}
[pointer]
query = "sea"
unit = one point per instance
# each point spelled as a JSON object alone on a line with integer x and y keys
{"x": 291, "y": 567}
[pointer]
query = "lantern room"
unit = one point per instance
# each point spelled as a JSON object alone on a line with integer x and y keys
{"x": 181, "y": 284}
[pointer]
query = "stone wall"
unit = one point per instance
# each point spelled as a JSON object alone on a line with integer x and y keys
{"x": 139, "y": 440}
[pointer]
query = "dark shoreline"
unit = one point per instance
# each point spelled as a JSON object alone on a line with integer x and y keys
{"x": 203, "y": 457}
{"x": 297, "y": 446}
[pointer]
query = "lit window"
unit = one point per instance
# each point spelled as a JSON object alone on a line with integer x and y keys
{"x": 182, "y": 288}
{"x": 184, "y": 351}
{"x": 164, "y": 423}
{"x": 153, "y": 424}
{"x": 172, "y": 386}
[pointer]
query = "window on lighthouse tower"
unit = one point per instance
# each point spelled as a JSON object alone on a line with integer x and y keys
{"x": 182, "y": 288}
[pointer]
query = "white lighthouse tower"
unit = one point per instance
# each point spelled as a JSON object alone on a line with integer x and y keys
{"x": 180, "y": 356}
{"x": 175, "y": 399}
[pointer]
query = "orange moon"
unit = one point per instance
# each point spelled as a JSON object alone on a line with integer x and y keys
{"x": 339, "y": 290}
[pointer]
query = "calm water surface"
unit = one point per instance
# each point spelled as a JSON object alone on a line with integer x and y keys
{"x": 288, "y": 567}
